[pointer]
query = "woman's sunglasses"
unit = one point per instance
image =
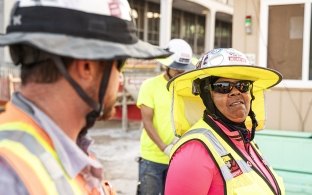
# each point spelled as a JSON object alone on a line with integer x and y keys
{"x": 225, "y": 87}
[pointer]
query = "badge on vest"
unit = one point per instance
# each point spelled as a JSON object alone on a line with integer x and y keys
{"x": 232, "y": 165}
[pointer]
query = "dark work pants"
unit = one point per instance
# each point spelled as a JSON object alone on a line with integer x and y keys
{"x": 152, "y": 178}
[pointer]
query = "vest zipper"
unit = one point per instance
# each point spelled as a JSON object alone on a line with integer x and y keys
{"x": 229, "y": 141}
{"x": 247, "y": 148}
{"x": 269, "y": 170}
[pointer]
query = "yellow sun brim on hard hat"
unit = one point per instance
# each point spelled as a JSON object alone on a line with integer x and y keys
{"x": 188, "y": 108}
{"x": 263, "y": 78}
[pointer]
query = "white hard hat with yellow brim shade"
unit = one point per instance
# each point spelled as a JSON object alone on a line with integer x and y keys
{"x": 226, "y": 63}
{"x": 182, "y": 56}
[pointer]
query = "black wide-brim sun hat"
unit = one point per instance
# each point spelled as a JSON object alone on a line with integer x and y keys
{"x": 82, "y": 48}
{"x": 78, "y": 31}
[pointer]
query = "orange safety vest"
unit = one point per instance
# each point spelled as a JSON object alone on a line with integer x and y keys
{"x": 29, "y": 151}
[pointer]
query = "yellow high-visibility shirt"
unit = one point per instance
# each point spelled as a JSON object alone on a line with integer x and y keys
{"x": 154, "y": 94}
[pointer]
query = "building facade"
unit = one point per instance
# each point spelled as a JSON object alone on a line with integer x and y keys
{"x": 204, "y": 24}
{"x": 277, "y": 34}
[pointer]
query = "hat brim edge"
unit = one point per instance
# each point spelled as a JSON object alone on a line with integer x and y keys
{"x": 84, "y": 48}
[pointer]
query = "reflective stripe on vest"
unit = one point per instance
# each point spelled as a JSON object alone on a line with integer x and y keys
{"x": 221, "y": 151}
{"x": 50, "y": 164}
{"x": 243, "y": 182}
{"x": 29, "y": 166}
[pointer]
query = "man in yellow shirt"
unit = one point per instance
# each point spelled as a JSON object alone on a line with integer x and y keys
{"x": 158, "y": 137}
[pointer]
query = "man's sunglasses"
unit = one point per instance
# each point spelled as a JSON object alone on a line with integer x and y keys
{"x": 120, "y": 64}
{"x": 225, "y": 87}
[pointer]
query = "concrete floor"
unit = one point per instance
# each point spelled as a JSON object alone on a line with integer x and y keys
{"x": 117, "y": 150}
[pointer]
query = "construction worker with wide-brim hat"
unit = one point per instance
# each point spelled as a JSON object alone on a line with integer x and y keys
{"x": 227, "y": 63}
{"x": 216, "y": 150}
{"x": 71, "y": 54}
{"x": 77, "y": 30}
{"x": 97, "y": 30}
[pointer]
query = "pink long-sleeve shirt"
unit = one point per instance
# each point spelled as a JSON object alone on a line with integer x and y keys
{"x": 193, "y": 171}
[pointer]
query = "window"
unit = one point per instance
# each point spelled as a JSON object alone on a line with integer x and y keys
{"x": 200, "y": 49}
{"x": 185, "y": 25}
{"x": 153, "y": 21}
{"x": 285, "y": 40}
{"x": 138, "y": 16}
{"x": 176, "y": 23}
{"x": 223, "y": 34}
{"x": 191, "y": 28}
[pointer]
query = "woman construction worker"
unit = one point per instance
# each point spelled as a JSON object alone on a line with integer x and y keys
{"x": 216, "y": 110}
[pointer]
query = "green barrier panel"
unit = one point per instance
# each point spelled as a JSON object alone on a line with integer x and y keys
{"x": 290, "y": 155}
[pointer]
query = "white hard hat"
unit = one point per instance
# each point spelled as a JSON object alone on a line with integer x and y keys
{"x": 181, "y": 59}
{"x": 223, "y": 57}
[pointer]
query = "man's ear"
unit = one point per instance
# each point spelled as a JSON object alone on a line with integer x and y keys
{"x": 84, "y": 69}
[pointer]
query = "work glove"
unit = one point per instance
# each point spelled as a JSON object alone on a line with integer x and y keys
{"x": 167, "y": 149}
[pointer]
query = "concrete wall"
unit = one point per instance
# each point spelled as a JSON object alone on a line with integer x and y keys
{"x": 247, "y": 43}
{"x": 289, "y": 109}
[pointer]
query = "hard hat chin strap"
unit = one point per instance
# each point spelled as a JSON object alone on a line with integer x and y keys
{"x": 252, "y": 116}
{"x": 97, "y": 108}
{"x": 168, "y": 73}
{"x": 92, "y": 116}
{"x": 60, "y": 65}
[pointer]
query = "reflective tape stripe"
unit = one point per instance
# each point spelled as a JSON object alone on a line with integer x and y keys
{"x": 50, "y": 164}
{"x": 225, "y": 171}
{"x": 212, "y": 139}
{"x": 227, "y": 175}
{"x": 244, "y": 166}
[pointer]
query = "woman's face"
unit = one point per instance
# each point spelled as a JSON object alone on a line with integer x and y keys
{"x": 234, "y": 105}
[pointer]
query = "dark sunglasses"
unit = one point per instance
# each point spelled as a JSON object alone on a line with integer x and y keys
{"x": 225, "y": 87}
{"x": 120, "y": 64}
